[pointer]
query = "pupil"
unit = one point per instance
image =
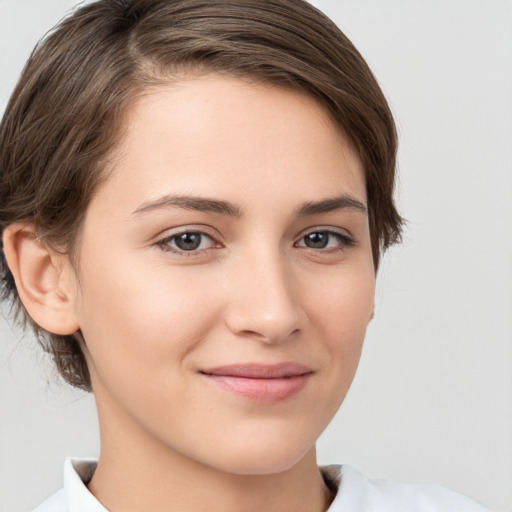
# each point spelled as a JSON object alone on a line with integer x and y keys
{"x": 188, "y": 241}
{"x": 317, "y": 240}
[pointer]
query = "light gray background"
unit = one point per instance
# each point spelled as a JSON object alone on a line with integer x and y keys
{"x": 433, "y": 397}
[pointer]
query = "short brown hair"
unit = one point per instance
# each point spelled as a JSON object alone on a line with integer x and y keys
{"x": 65, "y": 115}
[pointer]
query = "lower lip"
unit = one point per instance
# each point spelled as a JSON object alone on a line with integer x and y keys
{"x": 261, "y": 390}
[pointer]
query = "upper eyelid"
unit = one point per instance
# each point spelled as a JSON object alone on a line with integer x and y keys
{"x": 327, "y": 229}
{"x": 204, "y": 230}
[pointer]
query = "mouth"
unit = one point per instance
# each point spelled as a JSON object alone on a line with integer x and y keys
{"x": 260, "y": 383}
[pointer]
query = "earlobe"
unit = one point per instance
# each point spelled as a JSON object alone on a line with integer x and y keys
{"x": 44, "y": 279}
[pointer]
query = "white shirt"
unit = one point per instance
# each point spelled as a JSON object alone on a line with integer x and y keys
{"x": 355, "y": 493}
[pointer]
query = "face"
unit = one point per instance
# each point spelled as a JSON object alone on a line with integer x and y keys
{"x": 226, "y": 275}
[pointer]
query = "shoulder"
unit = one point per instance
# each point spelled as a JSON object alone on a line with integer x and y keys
{"x": 55, "y": 503}
{"x": 358, "y": 493}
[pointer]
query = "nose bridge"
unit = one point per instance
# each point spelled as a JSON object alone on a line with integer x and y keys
{"x": 264, "y": 302}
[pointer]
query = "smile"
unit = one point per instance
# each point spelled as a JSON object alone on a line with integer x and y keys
{"x": 260, "y": 383}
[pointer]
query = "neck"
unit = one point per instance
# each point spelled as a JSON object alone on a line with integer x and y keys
{"x": 135, "y": 472}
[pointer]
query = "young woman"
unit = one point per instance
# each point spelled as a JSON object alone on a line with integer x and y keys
{"x": 195, "y": 197}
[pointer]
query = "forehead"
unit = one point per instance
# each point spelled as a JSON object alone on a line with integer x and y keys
{"x": 216, "y": 135}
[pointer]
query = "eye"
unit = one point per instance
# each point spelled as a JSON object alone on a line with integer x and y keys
{"x": 187, "y": 241}
{"x": 325, "y": 240}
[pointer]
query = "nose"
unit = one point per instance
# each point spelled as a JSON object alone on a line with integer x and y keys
{"x": 264, "y": 302}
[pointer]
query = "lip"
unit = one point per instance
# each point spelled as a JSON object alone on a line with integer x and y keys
{"x": 260, "y": 383}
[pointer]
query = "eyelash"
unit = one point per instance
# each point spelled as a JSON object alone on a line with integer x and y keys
{"x": 164, "y": 244}
{"x": 344, "y": 240}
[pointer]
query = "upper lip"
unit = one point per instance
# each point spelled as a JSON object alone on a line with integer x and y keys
{"x": 259, "y": 371}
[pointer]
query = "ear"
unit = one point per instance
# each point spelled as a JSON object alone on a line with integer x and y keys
{"x": 45, "y": 279}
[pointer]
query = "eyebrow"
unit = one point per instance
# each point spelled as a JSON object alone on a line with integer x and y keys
{"x": 201, "y": 204}
{"x": 205, "y": 204}
{"x": 343, "y": 202}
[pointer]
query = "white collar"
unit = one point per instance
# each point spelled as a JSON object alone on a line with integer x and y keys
{"x": 75, "y": 497}
{"x": 77, "y": 474}
{"x": 355, "y": 493}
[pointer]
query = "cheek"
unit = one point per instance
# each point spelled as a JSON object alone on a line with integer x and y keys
{"x": 340, "y": 308}
{"x": 135, "y": 319}
{"x": 342, "y": 304}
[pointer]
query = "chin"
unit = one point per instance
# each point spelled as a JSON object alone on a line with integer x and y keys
{"x": 261, "y": 458}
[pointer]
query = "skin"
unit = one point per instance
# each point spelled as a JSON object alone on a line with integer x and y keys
{"x": 155, "y": 316}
